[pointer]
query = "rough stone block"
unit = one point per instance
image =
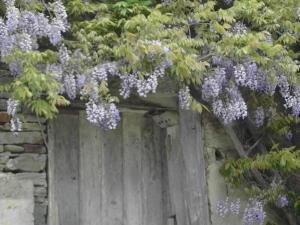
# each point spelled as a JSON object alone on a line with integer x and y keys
{"x": 4, "y": 117}
{"x": 16, "y": 201}
{"x": 1, "y": 148}
{"x": 21, "y": 138}
{"x": 27, "y": 162}
{"x": 29, "y": 118}
{"x": 25, "y": 127}
{"x": 4, "y": 95}
{"x": 38, "y": 179}
{"x": 13, "y": 148}
{"x": 2, "y": 104}
{"x": 29, "y": 148}
{"x": 4, "y": 157}
{"x": 40, "y": 214}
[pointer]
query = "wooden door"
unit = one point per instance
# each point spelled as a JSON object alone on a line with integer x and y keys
{"x": 138, "y": 174}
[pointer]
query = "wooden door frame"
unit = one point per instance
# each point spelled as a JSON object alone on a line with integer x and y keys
{"x": 192, "y": 180}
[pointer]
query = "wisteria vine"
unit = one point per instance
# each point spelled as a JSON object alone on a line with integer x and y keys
{"x": 222, "y": 86}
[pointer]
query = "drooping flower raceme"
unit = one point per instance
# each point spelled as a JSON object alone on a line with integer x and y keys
{"x": 104, "y": 115}
{"x": 184, "y": 98}
{"x": 15, "y": 122}
{"x": 282, "y": 201}
{"x": 259, "y": 116}
{"x": 12, "y": 106}
{"x": 254, "y": 214}
{"x": 225, "y": 207}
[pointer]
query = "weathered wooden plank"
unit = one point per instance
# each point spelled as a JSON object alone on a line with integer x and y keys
{"x": 194, "y": 164}
{"x": 151, "y": 175}
{"x": 176, "y": 176}
{"x": 52, "y": 218}
{"x": 90, "y": 139}
{"x": 132, "y": 145}
{"x": 65, "y": 174}
{"x": 112, "y": 177}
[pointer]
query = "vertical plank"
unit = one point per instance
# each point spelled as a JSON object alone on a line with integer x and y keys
{"x": 64, "y": 171}
{"x": 151, "y": 175}
{"x": 90, "y": 172}
{"x": 132, "y": 145}
{"x": 52, "y": 218}
{"x": 112, "y": 177}
{"x": 195, "y": 169}
{"x": 176, "y": 176}
{"x": 166, "y": 198}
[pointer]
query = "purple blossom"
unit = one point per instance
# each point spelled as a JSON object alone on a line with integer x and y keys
{"x": 3, "y": 30}
{"x": 228, "y": 2}
{"x": 251, "y": 75}
{"x": 147, "y": 85}
{"x": 232, "y": 108}
{"x": 29, "y": 23}
{"x": 104, "y": 115}
{"x": 13, "y": 15}
{"x": 81, "y": 80}
{"x": 223, "y": 207}
{"x": 12, "y": 106}
{"x": 70, "y": 86}
{"x": 267, "y": 37}
{"x": 128, "y": 82}
{"x": 60, "y": 12}
{"x": 282, "y": 201}
{"x": 44, "y": 27}
{"x": 63, "y": 55}
{"x": 184, "y": 98}
{"x": 293, "y": 100}
{"x": 25, "y": 42}
{"x": 289, "y": 135}
{"x": 259, "y": 116}
{"x": 239, "y": 29}
{"x": 15, "y": 68}
{"x": 235, "y": 207}
{"x": 56, "y": 71}
{"x": 15, "y": 125}
{"x": 254, "y": 214}
{"x": 240, "y": 75}
{"x": 212, "y": 86}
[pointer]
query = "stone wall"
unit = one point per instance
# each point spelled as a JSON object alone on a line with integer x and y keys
{"x": 24, "y": 154}
{"x": 218, "y": 146}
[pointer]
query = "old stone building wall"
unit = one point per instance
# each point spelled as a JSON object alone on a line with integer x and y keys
{"x": 23, "y": 156}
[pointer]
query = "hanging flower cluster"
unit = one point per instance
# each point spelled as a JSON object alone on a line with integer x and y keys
{"x": 253, "y": 213}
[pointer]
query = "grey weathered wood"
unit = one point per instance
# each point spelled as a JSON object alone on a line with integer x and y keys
{"x": 112, "y": 177}
{"x": 138, "y": 174}
{"x": 176, "y": 175}
{"x": 52, "y": 218}
{"x": 194, "y": 163}
{"x": 151, "y": 175}
{"x": 64, "y": 194}
{"x": 132, "y": 145}
{"x": 90, "y": 173}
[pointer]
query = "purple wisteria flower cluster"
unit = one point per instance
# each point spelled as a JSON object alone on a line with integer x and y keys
{"x": 225, "y": 207}
{"x": 145, "y": 85}
{"x": 104, "y": 115}
{"x": 253, "y": 213}
{"x": 282, "y": 201}
{"x": 22, "y": 28}
{"x": 184, "y": 98}
{"x": 15, "y": 122}
{"x": 222, "y": 88}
